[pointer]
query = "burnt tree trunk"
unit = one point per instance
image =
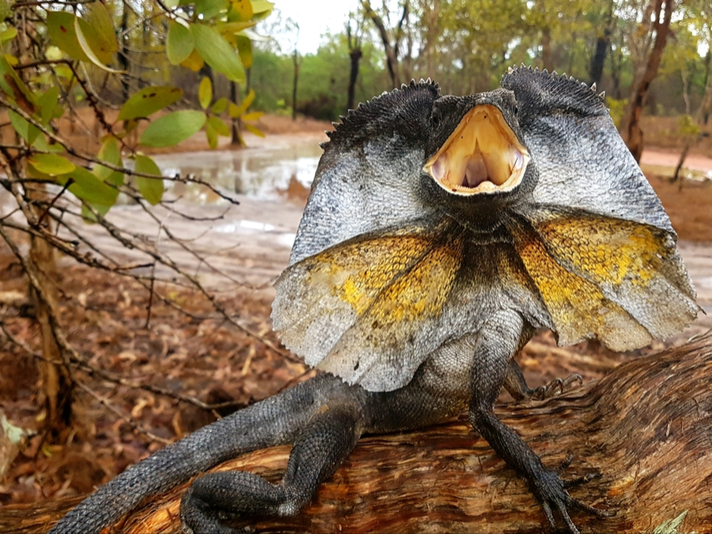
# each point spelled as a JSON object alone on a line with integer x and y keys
{"x": 602, "y": 43}
{"x": 355, "y": 55}
{"x": 633, "y": 134}
{"x": 390, "y": 50}
{"x": 644, "y": 427}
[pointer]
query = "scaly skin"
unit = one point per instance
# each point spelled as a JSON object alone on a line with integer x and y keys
{"x": 413, "y": 297}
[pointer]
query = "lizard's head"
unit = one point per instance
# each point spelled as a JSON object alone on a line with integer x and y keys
{"x": 413, "y": 152}
{"x": 483, "y": 154}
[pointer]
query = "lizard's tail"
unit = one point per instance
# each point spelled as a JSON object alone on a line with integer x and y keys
{"x": 273, "y": 421}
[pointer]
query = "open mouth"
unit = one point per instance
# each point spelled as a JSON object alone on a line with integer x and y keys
{"x": 481, "y": 155}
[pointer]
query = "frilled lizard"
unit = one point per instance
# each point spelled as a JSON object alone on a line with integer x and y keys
{"x": 440, "y": 232}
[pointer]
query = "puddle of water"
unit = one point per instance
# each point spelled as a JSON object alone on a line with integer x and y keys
{"x": 281, "y": 238}
{"x": 688, "y": 174}
{"x": 256, "y": 172}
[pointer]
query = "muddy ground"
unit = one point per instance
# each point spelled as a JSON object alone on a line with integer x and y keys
{"x": 199, "y": 353}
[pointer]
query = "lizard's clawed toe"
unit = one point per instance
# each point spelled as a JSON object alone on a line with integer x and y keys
{"x": 556, "y": 387}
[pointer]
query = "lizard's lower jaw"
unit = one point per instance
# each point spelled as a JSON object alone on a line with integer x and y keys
{"x": 481, "y": 156}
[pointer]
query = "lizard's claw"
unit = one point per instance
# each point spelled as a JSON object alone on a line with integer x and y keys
{"x": 550, "y": 489}
{"x": 556, "y": 386}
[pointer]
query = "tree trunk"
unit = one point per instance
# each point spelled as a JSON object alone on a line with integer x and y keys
{"x": 602, "y": 43}
{"x": 123, "y": 55}
{"x": 235, "y": 98}
{"x": 703, "y": 114}
{"x": 644, "y": 428}
{"x": 294, "y": 84}
{"x": 57, "y": 385}
{"x": 355, "y": 55}
{"x": 632, "y": 131}
{"x": 391, "y": 56}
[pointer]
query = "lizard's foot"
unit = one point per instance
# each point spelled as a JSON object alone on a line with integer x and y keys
{"x": 239, "y": 496}
{"x": 555, "y": 387}
{"x": 520, "y": 391}
{"x": 551, "y": 492}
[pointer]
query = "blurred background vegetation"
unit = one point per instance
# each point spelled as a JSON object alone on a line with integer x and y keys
{"x": 465, "y": 45}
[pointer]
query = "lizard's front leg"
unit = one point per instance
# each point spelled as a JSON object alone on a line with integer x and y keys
{"x": 497, "y": 343}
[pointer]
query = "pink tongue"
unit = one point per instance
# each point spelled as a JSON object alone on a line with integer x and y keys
{"x": 476, "y": 171}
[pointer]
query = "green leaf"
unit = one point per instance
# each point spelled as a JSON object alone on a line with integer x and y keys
{"x": 229, "y": 28}
{"x": 255, "y": 115}
{"x": 89, "y": 216}
{"x": 244, "y": 47}
{"x": 219, "y": 126}
{"x": 89, "y": 188}
{"x": 173, "y": 128}
{"x": 254, "y": 130}
{"x": 261, "y": 9}
{"x": 205, "y": 92}
{"x": 219, "y": 106}
{"x": 179, "y": 43}
{"x": 110, "y": 153}
{"x": 237, "y": 111}
{"x": 42, "y": 144}
{"x": 48, "y": 103}
{"x": 149, "y": 100}
{"x": 14, "y": 87}
{"x": 150, "y": 188}
{"x": 24, "y": 129}
{"x": 7, "y": 34}
{"x": 60, "y": 26}
{"x": 241, "y": 10}
{"x": 212, "y": 136}
{"x": 101, "y": 28}
{"x": 217, "y": 53}
{"x": 89, "y": 43}
{"x": 210, "y": 8}
{"x": 194, "y": 61}
{"x": 51, "y": 164}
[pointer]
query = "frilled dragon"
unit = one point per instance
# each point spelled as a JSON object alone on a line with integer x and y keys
{"x": 440, "y": 232}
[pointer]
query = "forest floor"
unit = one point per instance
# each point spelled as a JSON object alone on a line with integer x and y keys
{"x": 200, "y": 354}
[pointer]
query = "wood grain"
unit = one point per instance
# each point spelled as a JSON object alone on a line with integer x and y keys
{"x": 646, "y": 428}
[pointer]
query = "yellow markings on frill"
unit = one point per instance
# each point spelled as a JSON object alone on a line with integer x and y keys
{"x": 609, "y": 251}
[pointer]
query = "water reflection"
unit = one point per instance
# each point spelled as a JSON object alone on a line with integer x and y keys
{"x": 256, "y": 172}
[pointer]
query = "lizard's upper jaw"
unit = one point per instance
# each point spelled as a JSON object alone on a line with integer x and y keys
{"x": 481, "y": 156}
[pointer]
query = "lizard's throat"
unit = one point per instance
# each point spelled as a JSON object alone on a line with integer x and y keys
{"x": 481, "y": 156}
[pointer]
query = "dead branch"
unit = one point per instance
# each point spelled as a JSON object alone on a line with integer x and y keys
{"x": 644, "y": 428}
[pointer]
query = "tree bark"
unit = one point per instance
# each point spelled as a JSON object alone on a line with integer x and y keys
{"x": 703, "y": 113}
{"x": 355, "y": 55}
{"x": 123, "y": 55}
{"x": 391, "y": 55}
{"x": 602, "y": 44}
{"x": 57, "y": 385}
{"x": 633, "y": 134}
{"x": 294, "y": 84}
{"x": 235, "y": 139}
{"x": 644, "y": 428}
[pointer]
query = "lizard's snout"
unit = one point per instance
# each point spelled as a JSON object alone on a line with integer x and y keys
{"x": 482, "y": 155}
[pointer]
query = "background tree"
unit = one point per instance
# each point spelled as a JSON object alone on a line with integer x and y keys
{"x": 653, "y": 29}
{"x": 353, "y": 39}
{"x": 56, "y": 54}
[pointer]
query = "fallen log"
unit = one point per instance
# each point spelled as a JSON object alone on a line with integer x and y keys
{"x": 645, "y": 428}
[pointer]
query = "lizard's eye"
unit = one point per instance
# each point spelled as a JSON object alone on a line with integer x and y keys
{"x": 436, "y": 118}
{"x": 482, "y": 155}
